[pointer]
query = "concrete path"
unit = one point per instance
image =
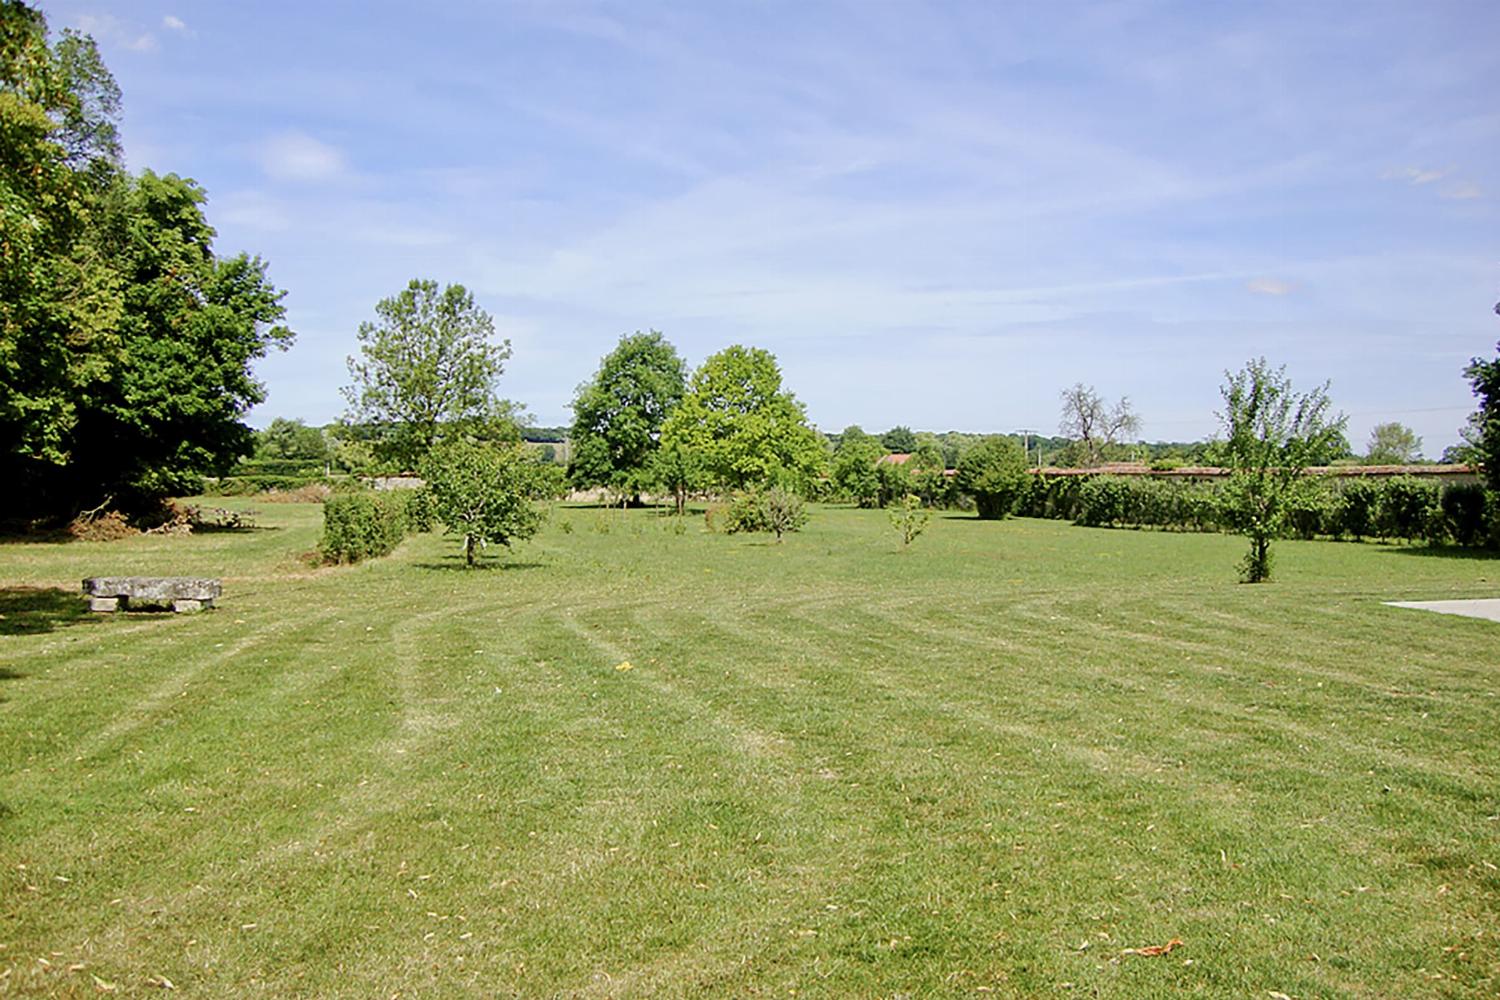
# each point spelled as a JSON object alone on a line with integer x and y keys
{"x": 1485, "y": 607}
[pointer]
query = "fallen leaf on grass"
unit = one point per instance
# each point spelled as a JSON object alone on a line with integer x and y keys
{"x": 1278, "y": 995}
{"x": 624, "y": 665}
{"x": 1153, "y": 950}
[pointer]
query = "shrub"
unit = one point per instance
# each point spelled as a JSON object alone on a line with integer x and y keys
{"x": 363, "y": 525}
{"x": 909, "y": 518}
{"x": 242, "y": 486}
{"x": 1312, "y": 510}
{"x": 1463, "y": 508}
{"x": 1355, "y": 509}
{"x": 775, "y": 510}
{"x": 994, "y": 474}
{"x": 311, "y": 493}
{"x": 300, "y": 468}
{"x": 1408, "y": 508}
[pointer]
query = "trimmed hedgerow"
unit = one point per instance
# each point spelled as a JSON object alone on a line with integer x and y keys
{"x": 364, "y": 525}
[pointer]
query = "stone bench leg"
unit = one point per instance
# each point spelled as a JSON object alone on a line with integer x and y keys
{"x": 104, "y": 603}
{"x": 183, "y": 604}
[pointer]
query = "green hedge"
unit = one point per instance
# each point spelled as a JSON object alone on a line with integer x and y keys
{"x": 243, "y": 486}
{"x": 279, "y": 467}
{"x": 1404, "y": 508}
{"x": 365, "y": 525}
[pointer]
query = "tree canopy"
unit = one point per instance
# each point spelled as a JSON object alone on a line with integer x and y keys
{"x": 1272, "y": 434}
{"x": 745, "y": 427}
{"x": 853, "y": 471}
{"x": 1094, "y": 425}
{"x": 619, "y": 413}
{"x": 1393, "y": 444}
{"x": 1484, "y": 377}
{"x": 483, "y": 493}
{"x": 427, "y": 369}
{"x": 126, "y": 343}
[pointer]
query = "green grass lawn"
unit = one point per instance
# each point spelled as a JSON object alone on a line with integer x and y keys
{"x": 988, "y": 765}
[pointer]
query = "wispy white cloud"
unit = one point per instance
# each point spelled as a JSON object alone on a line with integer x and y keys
{"x": 254, "y": 210}
{"x": 297, "y": 156}
{"x": 110, "y": 30}
{"x": 1415, "y": 175}
{"x": 1271, "y": 286}
{"x": 174, "y": 23}
{"x": 1462, "y": 191}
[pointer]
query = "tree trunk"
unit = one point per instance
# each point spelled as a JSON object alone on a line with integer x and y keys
{"x": 470, "y": 550}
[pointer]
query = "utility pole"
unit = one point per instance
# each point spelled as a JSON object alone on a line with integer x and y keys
{"x": 1026, "y": 437}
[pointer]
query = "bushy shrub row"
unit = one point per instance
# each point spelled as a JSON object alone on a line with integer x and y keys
{"x": 1116, "y": 501}
{"x": 368, "y": 524}
{"x": 1404, "y": 507}
{"x": 300, "y": 467}
{"x": 248, "y": 485}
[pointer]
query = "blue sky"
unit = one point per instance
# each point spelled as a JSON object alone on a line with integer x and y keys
{"x": 934, "y": 214}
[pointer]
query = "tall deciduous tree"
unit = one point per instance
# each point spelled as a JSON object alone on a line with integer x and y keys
{"x": 125, "y": 342}
{"x": 899, "y": 439}
{"x": 172, "y": 405}
{"x": 1484, "y": 376}
{"x": 747, "y": 429}
{"x": 428, "y": 367}
{"x": 618, "y": 414}
{"x": 1095, "y": 425}
{"x": 1393, "y": 444}
{"x": 59, "y": 297}
{"x": 1272, "y": 434}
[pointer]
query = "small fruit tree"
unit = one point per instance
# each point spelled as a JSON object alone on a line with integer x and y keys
{"x": 483, "y": 493}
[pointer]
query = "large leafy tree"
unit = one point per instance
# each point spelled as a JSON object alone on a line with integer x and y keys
{"x": 427, "y": 369}
{"x": 291, "y": 440}
{"x": 618, "y": 414}
{"x": 747, "y": 429}
{"x": 125, "y": 342}
{"x": 1272, "y": 434}
{"x": 59, "y": 298}
{"x": 170, "y": 407}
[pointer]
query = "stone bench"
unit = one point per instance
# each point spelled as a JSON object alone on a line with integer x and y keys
{"x": 151, "y": 593}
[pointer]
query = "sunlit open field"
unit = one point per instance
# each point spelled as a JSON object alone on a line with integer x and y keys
{"x": 631, "y": 761}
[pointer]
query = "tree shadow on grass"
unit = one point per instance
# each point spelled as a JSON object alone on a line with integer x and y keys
{"x": 483, "y": 566}
{"x": 1443, "y": 552}
{"x": 34, "y": 610}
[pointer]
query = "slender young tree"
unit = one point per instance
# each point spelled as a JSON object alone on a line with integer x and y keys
{"x": 1272, "y": 434}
